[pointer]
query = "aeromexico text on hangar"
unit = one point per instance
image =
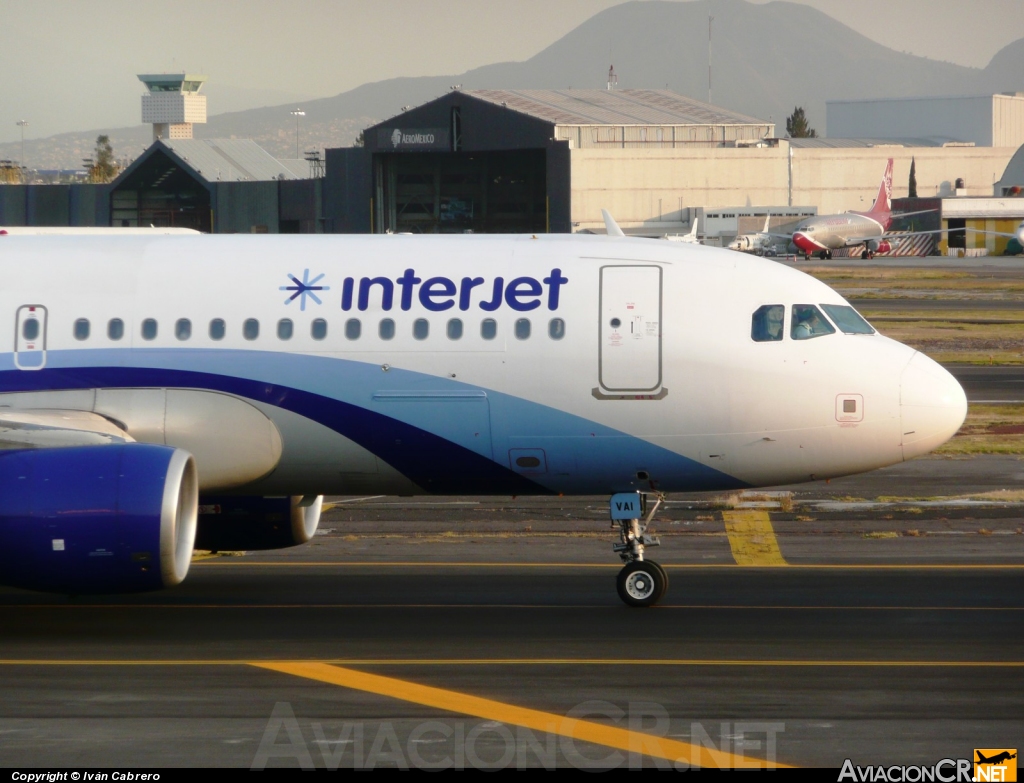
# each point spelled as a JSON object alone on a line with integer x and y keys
{"x": 412, "y": 139}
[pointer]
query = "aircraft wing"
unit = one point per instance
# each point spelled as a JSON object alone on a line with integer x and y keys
{"x": 898, "y": 234}
{"x": 908, "y": 214}
{"x": 994, "y": 233}
{"x": 44, "y": 429}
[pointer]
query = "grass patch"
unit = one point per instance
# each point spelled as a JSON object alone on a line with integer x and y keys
{"x": 894, "y": 283}
{"x": 989, "y": 429}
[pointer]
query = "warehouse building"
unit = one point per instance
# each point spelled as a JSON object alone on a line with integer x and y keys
{"x": 983, "y": 120}
{"x": 511, "y": 160}
{"x": 540, "y": 160}
{"x": 222, "y": 186}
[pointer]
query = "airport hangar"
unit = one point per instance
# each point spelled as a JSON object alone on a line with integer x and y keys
{"x": 536, "y": 160}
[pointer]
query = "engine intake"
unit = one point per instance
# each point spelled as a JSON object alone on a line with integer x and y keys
{"x": 97, "y": 519}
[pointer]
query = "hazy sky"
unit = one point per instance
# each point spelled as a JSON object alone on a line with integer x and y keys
{"x": 70, "y": 65}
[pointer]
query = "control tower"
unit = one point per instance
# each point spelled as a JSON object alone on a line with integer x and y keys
{"x": 173, "y": 103}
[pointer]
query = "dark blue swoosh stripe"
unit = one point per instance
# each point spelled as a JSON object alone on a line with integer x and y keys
{"x": 435, "y": 464}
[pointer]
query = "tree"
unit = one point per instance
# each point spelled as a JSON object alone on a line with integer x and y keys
{"x": 104, "y": 168}
{"x": 360, "y": 140}
{"x": 912, "y": 186}
{"x": 797, "y": 126}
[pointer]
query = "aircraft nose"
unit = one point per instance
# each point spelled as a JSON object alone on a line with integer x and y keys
{"x": 932, "y": 406}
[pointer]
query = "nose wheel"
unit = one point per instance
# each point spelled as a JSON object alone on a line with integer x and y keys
{"x": 641, "y": 582}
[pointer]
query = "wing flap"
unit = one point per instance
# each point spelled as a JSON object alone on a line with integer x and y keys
{"x": 47, "y": 429}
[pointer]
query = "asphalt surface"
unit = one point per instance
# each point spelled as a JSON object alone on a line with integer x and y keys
{"x": 990, "y": 383}
{"x": 893, "y": 636}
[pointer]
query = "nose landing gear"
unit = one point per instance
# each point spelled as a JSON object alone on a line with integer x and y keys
{"x": 641, "y": 582}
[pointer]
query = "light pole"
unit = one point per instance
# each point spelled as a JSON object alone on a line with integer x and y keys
{"x": 22, "y": 124}
{"x": 296, "y": 113}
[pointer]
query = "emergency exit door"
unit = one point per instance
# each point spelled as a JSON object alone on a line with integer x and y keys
{"x": 630, "y": 333}
{"x": 30, "y": 338}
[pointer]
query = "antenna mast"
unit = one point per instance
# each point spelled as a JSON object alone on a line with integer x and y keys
{"x": 710, "y": 20}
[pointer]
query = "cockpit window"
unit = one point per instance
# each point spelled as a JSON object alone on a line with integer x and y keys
{"x": 847, "y": 319}
{"x": 808, "y": 322}
{"x": 767, "y": 323}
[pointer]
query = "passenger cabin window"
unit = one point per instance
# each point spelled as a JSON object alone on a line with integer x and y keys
{"x": 488, "y": 328}
{"x": 386, "y": 329}
{"x": 149, "y": 329}
{"x": 808, "y": 322}
{"x": 353, "y": 328}
{"x": 318, "y": 329}
{"x": 285, "y": 327}
{"x": 420, "y": 328}
{"x": 218, "y": 329}
{"x": 522, "y": 329}
{"x": 82, "y": 329}
{"x": 767, "y": 323}
{"x": 183, "y": 329}
{"x": 251, "y": 329}
{"x": 847, "y": 319}
{"x": 556, "y": 329}
{"x": 115, "y": 328}
{"x": 454, "y": 329}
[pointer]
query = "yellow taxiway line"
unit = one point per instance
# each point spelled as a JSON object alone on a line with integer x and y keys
{"x": 752, "y": 538}
{"x": 537, "y": 720}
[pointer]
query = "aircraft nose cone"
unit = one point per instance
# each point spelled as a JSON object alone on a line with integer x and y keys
{"x": 805, "y": 243}
{"x": 932, "y": 406}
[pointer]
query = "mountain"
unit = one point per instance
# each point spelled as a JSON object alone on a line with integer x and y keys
{"x": 767, "y": 59}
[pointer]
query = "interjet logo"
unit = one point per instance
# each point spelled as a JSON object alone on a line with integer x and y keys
{"x": 303, "y": 288}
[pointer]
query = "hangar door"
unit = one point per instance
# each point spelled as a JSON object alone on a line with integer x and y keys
{"x": 630, "y": 332}
{"x": 457, "y": 192}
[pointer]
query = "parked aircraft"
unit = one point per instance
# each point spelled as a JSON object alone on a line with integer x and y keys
{"x": 755, "y": 243}
{"x": 824, "y": 233}
{"x": 163, "y": 392}
{"x": 690, "y": 238}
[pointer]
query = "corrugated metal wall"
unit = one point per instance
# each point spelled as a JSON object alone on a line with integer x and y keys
{"x": 54, "y": 205}
{"x": 299, "y": 205}
{"x": 13, "y": 199}
{"x": 245, "y": 207}
{"x": 1007, "y": 121}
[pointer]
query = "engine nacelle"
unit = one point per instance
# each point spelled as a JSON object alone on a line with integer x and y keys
{"x": 879, "y": 246}
{"x": 97, "y": 519}
{"x": 1020, "y": 234}
{"x": 251, "y": 523}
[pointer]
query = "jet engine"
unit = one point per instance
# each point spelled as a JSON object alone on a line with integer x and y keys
{"x": 1020, "y": 234}
{"x": 251, "y": 523}
{"x": 879, "y": 246}
{"x": 97, "y": 519}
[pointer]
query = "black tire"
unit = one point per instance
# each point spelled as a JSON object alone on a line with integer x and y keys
{"x": 823, "y": 254}
{"x": 640, "y": 584}
{"x": 864, "y": 255}
{"x": 664, "y": 577}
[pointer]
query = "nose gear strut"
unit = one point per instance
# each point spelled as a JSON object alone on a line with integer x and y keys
{"x": 641, "y": 582}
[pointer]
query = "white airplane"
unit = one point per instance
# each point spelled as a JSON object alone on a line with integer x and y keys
{"x": 754, "y": 243}
{"x": 163, "y": 392}
{"x": 690, "y": 238}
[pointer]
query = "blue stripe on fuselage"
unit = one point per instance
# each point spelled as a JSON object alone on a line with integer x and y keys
{"x": 582, "y": 456}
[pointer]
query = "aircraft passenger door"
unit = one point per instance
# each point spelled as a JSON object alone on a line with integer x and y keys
{"x": 30, "y": 338}
{"x": 630, "y": 332}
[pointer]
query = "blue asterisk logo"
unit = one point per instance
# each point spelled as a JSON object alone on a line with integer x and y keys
{"x": 303, "y": 288}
